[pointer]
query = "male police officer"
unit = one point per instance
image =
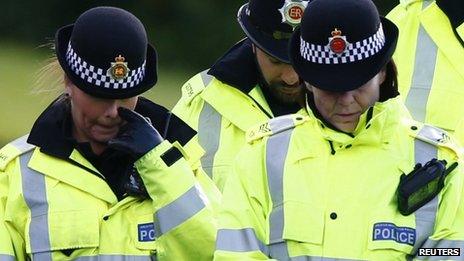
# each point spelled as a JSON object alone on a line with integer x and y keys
{"x": 429, "y": 59}
{"x": 251, "y": 83}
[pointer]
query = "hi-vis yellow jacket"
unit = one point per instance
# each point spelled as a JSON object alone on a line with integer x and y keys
{"x": 51, "y": 209}
{"x": 430, "y": 63}
{"x": 305, "y": 191}
{"x": 221, "y": 114}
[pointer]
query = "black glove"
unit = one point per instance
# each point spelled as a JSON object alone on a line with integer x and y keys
{"x": 137, "y": 136}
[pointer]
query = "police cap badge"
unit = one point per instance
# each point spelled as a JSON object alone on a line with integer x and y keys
{"x": 292, "y": 12}
{"x": 119, "y": 69}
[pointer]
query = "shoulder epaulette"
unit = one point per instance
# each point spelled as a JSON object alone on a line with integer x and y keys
{"x": 13, "y": 150}
{"x": 196, "y": 85}
{"x": 274, "y": 126}
{"x": 434, "y": 136}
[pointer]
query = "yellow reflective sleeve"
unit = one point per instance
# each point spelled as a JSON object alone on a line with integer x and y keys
{"x": 189, "y": 107}
{"x": 243, "y": 229}
{"x": 12, "y": 243}
{"x": 6, "y": 245}
{"x": 184, "y": 221}
{"x": 210, "y": 189}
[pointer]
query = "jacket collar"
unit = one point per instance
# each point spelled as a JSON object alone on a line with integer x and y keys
{"x": 51, "y": 132}
{"x": 455, "y": 13}
{"x": 374, "y": 127}
{"x": 237, "y": 67}
{"x": 437, "y": 25}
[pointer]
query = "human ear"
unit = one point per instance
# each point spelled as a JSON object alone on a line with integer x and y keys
{"x": 382, "y": 75}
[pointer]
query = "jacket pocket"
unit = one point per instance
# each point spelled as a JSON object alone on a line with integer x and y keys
{"x": 391, "y": 234}
{"x": 143, "y": 233}
{"x": 303, "y": 222}
{"x": 66, "y": 232}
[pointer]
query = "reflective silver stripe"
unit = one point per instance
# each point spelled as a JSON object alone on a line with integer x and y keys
{"x": 21, "y": 144}
{"x": 443, "y": 244}
{"x": 276, "y": 153}
{"x": 178, "y": 211}
{"x": 422, "y": 78}
{"x": 116, "y": 258}
{"x": 209, "y": 131}
{"x": 425, "y": 222}
{"x": 239, "y": 240}
{"x": 35, "y": 195}
{"x": 206, "y": 77}
{"x": 426, "y": 3}
{"x": 7, "y": 258}
{"x": 319, "y": 258}
{"x": 424, "y": 151}
{"x": 425, "y": 216}
{"x": 279, "y": 250}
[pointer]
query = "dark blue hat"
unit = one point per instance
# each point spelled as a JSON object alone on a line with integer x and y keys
{"x": 342, "y": 44}
{"x": 106, "y": 54}
{"x": 270, "y": 23}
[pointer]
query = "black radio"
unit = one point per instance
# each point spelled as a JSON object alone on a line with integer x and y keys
{"x": 422, "y": 185}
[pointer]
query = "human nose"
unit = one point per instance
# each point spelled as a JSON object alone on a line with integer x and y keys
{"x": 346, "y": 98}
{"x": 112, "y": 109}
{"x": 289, "y": 76}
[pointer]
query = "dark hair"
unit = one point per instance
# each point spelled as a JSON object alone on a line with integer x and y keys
{"x": 389, "y": 88}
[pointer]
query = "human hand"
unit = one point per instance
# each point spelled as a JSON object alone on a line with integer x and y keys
{"x": 137, "y": 137}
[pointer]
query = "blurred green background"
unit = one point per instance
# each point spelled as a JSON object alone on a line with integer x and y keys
{"x": 189, "y": 37}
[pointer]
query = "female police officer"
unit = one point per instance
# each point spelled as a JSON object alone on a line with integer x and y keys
{"x": 326, "y": 186}
{"x": 73, "y": 190}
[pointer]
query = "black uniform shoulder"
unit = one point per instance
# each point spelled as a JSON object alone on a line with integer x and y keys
{"x": 237, "y": 67}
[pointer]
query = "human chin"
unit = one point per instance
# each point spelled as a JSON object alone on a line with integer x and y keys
{"x": 103, "y": 134}
{"x": 286, "y": 94}
{"x": 345, "y": 126}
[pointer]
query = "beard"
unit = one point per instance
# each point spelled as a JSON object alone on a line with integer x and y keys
{"x": 286, "y": 94}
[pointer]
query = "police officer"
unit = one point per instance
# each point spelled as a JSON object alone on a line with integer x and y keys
{"x": 342, "y": 182}
{"x": 102, "y": 174}
{"x": 251, "y": 83}
{"x": 429, "y": 58}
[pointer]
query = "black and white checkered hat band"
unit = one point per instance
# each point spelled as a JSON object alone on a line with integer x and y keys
{"x": 354, "y": 51}
{"x": 100, "y": 77}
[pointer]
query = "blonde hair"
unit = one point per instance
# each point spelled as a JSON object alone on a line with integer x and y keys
{"x": 49, "y": 79}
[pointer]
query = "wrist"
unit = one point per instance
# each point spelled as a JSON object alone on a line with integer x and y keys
{"x": 161, "y": 156}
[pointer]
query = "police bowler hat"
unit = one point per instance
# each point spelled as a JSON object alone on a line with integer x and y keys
{"x": 270, "y": 23}
{"x": 342, "y": 44}
{"x": 106, "y": 54}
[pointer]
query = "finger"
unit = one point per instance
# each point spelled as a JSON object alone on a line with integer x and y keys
{"x": 129, "y": 115}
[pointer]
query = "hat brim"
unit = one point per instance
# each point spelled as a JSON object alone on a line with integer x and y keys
{"x": 265, "y": 42}
{"x": 62, "y": 37}
{"x": 343, "y": 77}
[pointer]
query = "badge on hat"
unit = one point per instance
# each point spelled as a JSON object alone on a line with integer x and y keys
{"x": 119, "y": 69}
{"x": 337, "y": 43}
{"x": 292, "y": 12}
